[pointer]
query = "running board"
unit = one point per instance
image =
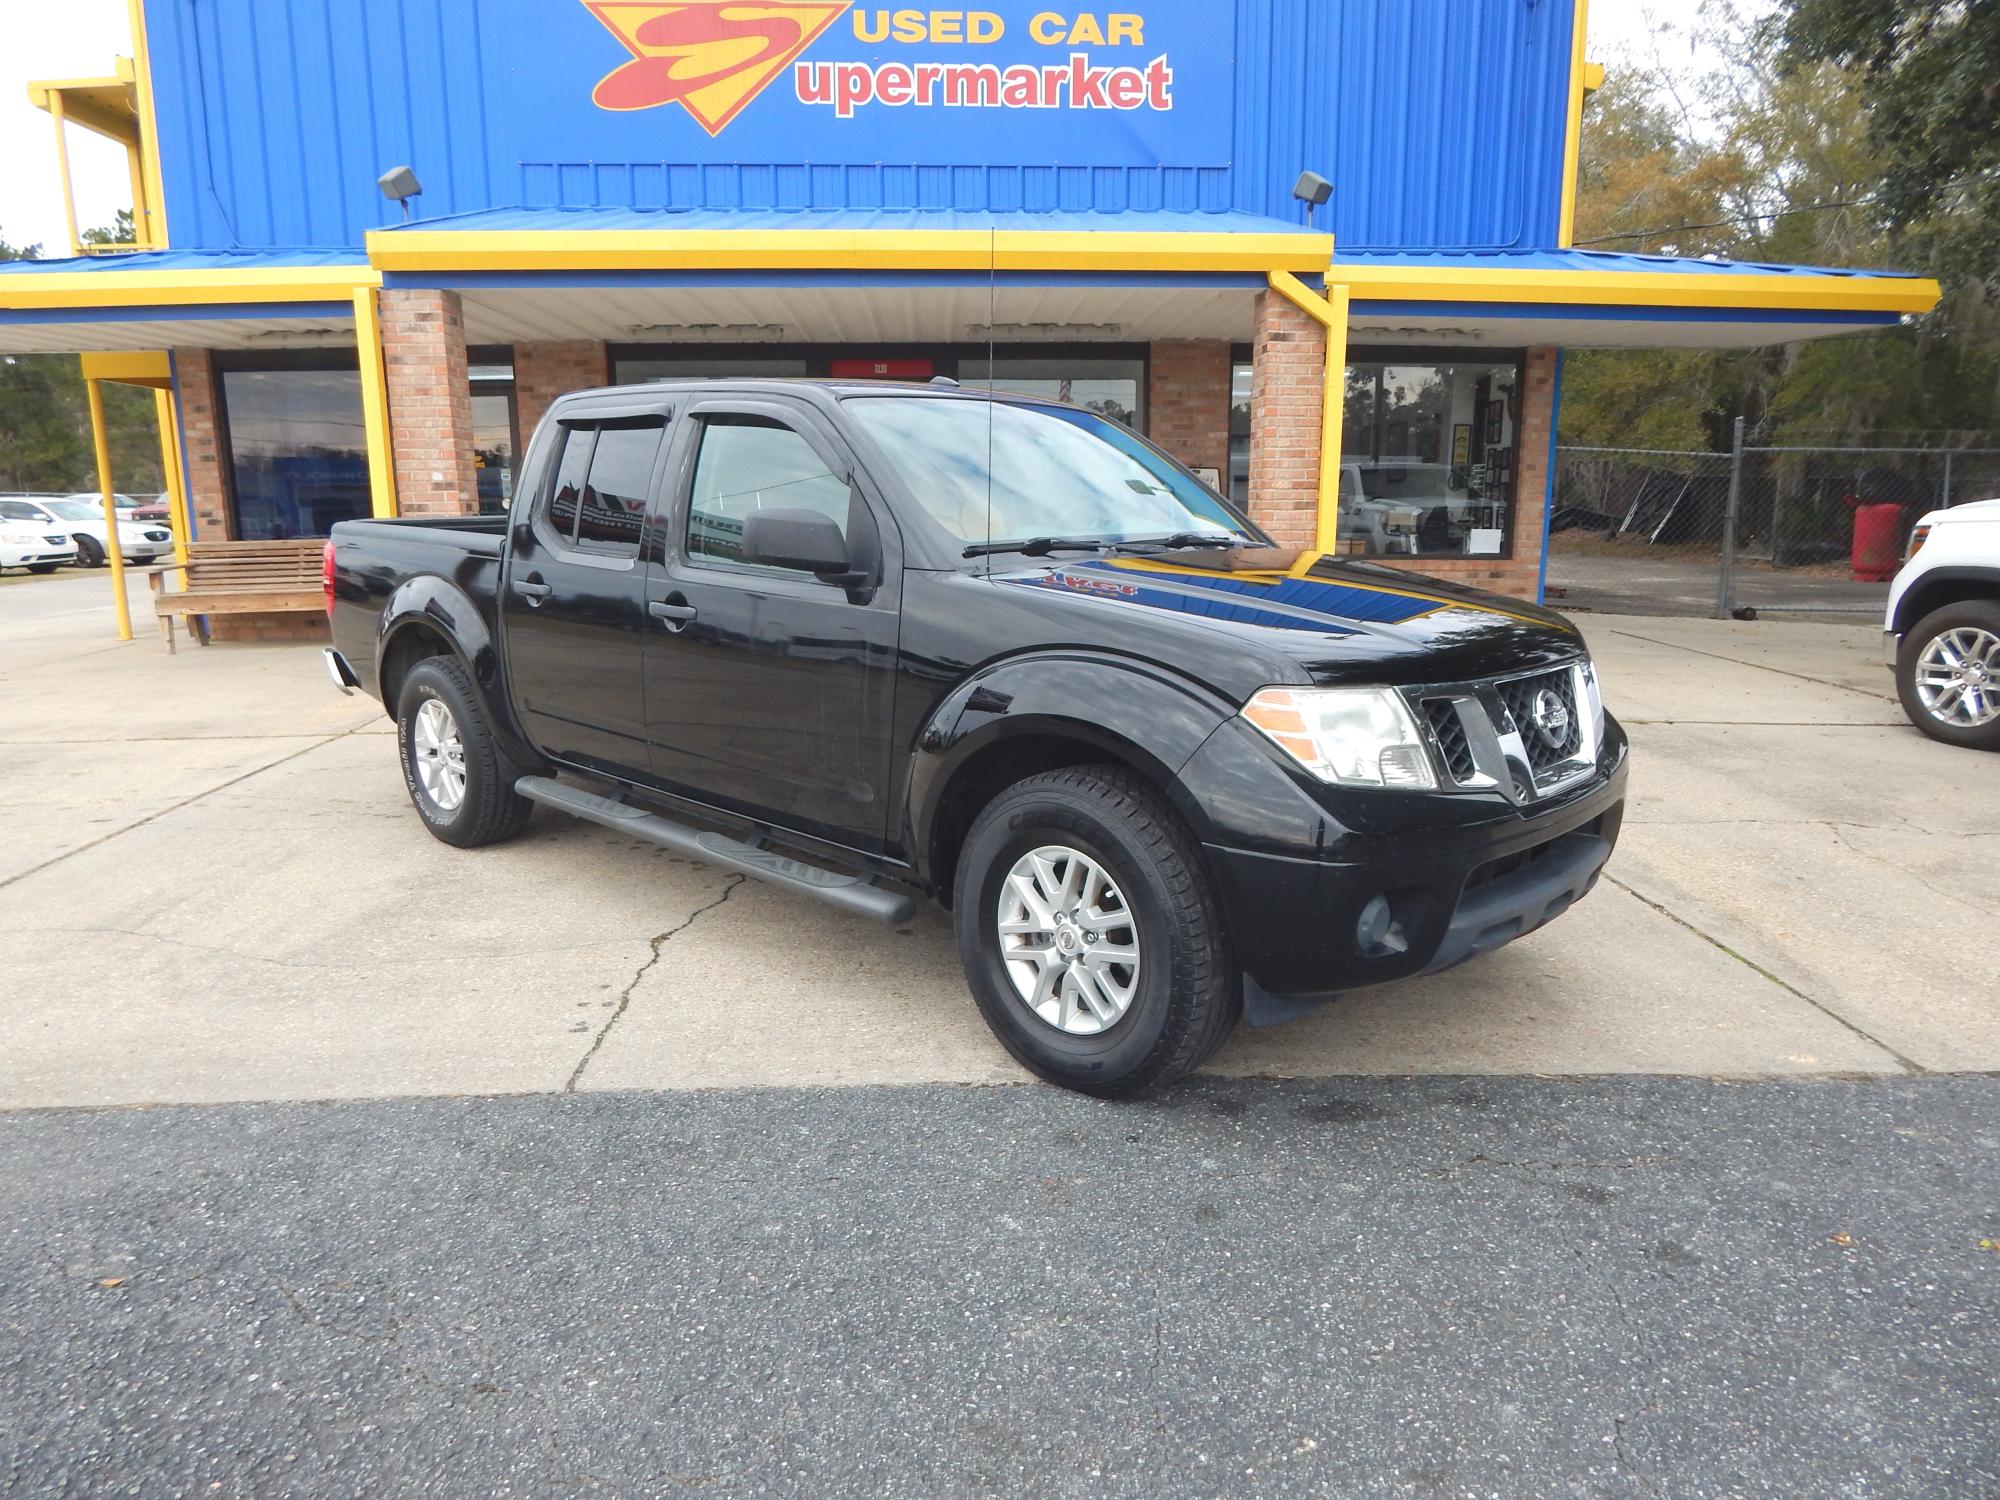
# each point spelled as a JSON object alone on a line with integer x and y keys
{"x": 848, "y": 892}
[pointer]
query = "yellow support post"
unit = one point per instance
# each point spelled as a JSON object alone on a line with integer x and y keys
{"x": 61, "y": 121}
{"x": 114, "y": 551}
{"x": 170, "y": 465}
{"x": 374, "y": 403}
{"x": 1330, "y": 312}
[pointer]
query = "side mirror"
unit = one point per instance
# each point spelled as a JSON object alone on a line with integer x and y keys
{"x": 807, "y": 540}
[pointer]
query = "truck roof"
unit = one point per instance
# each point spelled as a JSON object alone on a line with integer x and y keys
{"x": 825, "y": 385}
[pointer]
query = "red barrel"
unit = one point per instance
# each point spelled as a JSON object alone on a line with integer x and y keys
{"x": 1878, "y": 542}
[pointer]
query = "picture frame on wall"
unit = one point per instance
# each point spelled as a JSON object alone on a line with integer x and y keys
{"x": 1496, "y": 417}
{"x": 1461, "y": 455}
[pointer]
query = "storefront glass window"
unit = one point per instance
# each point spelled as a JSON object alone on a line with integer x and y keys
{"x": 1239, "y": 432}
{"x": 298, "y": 454}
{"x": 491, "y": 374}
{"x": 493, "y": 448}
{"x": 1109, "y": 387}
{"x": 1427, "y": 458}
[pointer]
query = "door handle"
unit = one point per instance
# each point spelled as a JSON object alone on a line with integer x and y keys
{"x": 532, "y": 590}
{"x": 673, "y": 612}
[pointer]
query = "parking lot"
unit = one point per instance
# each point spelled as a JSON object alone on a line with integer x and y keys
{"x": 215, "y": 889}
{"x": 568, "y": 1166}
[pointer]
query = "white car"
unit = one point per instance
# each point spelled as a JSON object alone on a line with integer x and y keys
{"x": 1944, "y": 626}
{"x": 83, "y": 519}
{"x": 34, "y": 545}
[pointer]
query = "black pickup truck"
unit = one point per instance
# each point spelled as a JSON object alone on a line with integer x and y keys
{"x": 875, "y": 642}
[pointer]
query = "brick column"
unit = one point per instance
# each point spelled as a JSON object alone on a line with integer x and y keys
{"x": 1187, "y": 402}
{"x": 1288, "y": 371}
{"x": 430, "y": 402}
{"x": 1519, "y": 574}
{"x": 208, "y": 486}
{"x": 543, "y": 372}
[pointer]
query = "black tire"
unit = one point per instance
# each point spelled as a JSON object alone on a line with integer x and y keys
{"x": 1187, "y": 996}
{"x": 88, "y": 553}
{"x": 43, "y": 567}
{"x": 489, "y": 809}
{"x": 1969, "y": 614}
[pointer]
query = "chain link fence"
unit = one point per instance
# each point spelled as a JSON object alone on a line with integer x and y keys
{"x": 1811, "y": 532}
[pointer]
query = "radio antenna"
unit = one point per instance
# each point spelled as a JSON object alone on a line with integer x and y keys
{"x": 992, "y": 313}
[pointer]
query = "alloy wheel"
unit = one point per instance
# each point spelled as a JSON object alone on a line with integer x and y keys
{"x": 1068, "y": 939}
{"x": 440, "y": 755}
{"x": 1958, "y": 677}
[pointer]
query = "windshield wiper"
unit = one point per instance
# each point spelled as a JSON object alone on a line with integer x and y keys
{"x": 1040, "y": 546}
{"x": 1216, "y": 539}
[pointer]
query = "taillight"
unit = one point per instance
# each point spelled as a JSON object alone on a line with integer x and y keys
{"x": 326, "y": 577}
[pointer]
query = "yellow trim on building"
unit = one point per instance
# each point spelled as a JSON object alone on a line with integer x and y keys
{"x": 1330, "y": 312}
{"x": 1801, "y": 291}
{"x": 148, "y": 367}
{"x": 154, "y": 234}
{"x": 1573, "y": 129}
{"x": 192, "y": 288}
{"x": 374, "y": 403}
{"x": 843, "y": 250}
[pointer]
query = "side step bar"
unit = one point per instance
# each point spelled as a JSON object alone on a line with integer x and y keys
{"x": 848, "y": 892}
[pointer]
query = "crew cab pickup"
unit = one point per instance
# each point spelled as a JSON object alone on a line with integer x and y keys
{"x": 879, "y": 643}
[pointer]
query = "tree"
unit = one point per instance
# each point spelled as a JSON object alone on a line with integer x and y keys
{"x": 1930, "y": 71}
{"x": 1774, "y": 153}
{"x": 45, "y": 418}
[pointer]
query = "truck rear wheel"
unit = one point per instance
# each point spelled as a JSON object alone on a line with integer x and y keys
{"x": 1948, "y": 674}
{"x": 1090, "y": 934}
{"x": 460, "y": 782}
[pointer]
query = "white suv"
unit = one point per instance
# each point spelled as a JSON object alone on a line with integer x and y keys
{"x": 1944, "y": 626}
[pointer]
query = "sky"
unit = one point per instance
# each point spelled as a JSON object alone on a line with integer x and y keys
{"x": 78, "y": 38}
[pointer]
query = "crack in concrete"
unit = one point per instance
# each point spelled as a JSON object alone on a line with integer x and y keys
{"x": 1908, "y": 1064}
{"x": 625, "y": 995}
{"x": 1958, "y": 897}
{"x": 175, "y": 807}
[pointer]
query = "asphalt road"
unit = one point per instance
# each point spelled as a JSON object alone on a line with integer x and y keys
{"x": 1618, "y": 1286}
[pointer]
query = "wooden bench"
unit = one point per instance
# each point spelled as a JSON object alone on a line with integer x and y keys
{"x": 240, "y": 578}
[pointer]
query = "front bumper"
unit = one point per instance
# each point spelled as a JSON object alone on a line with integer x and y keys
{"x": 1296, "y": 923}
{"x": 34, "y": 557}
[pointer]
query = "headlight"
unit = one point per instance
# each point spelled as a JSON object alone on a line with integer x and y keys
{"x": 1917, "y": 539}
{"x": 1354, "y": 736}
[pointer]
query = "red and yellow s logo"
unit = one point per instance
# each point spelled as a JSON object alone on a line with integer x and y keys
{"x": 711, "y": 56}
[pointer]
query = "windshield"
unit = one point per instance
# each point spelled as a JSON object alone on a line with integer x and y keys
{"x": 78, "y": 510}
{"x": 1054, "y": 471}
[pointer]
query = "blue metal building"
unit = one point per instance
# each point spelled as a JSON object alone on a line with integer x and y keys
{"x": 1093, "y": 203}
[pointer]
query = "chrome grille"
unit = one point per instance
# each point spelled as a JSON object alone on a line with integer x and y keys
{"x": 1442, "y": 716}
{"x": 1527, "y": 737}
{"x": 1543, "y": 712}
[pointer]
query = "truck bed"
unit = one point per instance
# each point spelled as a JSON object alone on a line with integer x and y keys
{"x": 382, "y": 556}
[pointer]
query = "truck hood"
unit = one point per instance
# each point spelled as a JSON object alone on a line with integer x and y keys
{"x": 1335, "y": 621}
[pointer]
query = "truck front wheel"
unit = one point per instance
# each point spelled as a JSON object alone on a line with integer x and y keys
{"x": 1090, "y": 933}
{"x": 1948, "y": 674}
{"x": 457, "y": 777}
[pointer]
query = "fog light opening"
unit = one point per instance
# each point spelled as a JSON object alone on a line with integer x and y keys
{"x": 1377, "y": 933}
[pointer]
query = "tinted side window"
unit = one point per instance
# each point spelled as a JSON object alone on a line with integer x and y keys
{"x": 614, "y": 502}
{"x": 748, "y": 464}
{"x": 572, "y": 472}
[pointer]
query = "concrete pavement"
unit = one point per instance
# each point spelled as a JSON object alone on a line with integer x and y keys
{"x": 216, "y": 890}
